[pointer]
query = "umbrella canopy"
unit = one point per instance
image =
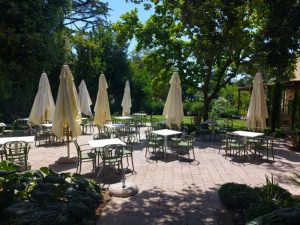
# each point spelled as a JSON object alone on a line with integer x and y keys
{"x": 84, "y": 99}
{"x": 43, "y": 106}
{"x": 102, "y": 111}
{"x": 257, "y": 111}
{"x": 173, "y": 110}
{"x": 126, "y": 102}
{"x": 67, "y": 111}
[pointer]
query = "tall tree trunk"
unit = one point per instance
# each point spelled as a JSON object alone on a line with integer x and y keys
{"x": 276, "y": 106}
{"x": 205, "y": 107}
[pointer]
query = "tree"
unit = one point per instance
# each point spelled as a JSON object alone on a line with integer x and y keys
{"x": 96, "y": 52}
{"x": 86, "y": 14}
{"x": 32, "y": 41}
{"x": 206, "y": 40}
{"x": 140, "y": 84}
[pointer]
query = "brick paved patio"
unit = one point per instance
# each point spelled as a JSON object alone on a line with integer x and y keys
{"x": 174, "y": 191}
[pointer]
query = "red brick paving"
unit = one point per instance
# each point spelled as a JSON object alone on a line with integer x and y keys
{"x": 175, "y": 192}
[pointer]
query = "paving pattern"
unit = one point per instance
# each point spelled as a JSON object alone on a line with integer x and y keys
{"x": 176, "y": 191}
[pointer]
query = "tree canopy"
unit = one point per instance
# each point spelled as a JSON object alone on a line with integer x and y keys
{"x": 211, "y": 42}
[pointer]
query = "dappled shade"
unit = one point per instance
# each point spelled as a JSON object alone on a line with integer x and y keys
{"x": 126, "y": 102}
{"x": 43, "y": 106}
{"x": 84, "y": 99}
{"x": 257, "y": 111}
{"x": 173, "y": 110}
{"x": 67, "y": 111}
{"x": 102, "y": 111}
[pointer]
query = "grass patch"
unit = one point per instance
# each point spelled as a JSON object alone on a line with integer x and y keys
{"x": 237, "y": 123}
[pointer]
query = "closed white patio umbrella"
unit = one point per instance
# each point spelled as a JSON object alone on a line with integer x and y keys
{"x": 67, "y": 115}
{"x": 173, "y": 110}
{"x": 84, "y": 99}
{"x": 102, "y": 111}
{"x": 126, "y": 102}
{"x": 43, "y": 106}
{"x": 257, "y": 111}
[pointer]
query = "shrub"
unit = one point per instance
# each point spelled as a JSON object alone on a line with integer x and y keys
{"x": 157, "y": 107}
{"x": 221, "y": 107}
{"x": 44, "y": 197}
{"x": 238, "y": 196}
{"x": 273, "y": 197}
{"x": 284, "y": 216}
{"x": 256, "y": 210}
{"x": 196, "y": 108}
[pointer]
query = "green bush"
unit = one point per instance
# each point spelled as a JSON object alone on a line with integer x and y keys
{"x": 196, "y": 108}
{"x": 157, "y": 107}
{"x": 273, "y": 197}
{"x": 222, "y": 108}
{"x": 238, "y": 196}
{"x": 256, "y": 210}
{"x": 283, "y": 216}
{"x": 44, "y": 197}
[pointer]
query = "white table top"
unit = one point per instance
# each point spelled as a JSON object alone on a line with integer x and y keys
{"x": 24, "y": 138}
{"x": 140, "y": 114}
{"x": 104, "y": 142}
{"x": 114, "y": 125}
{"x": 247, "y": 133}
{"x": 22, "y": 119}
{"x": 2, "y": 125}
{"x": 166, "y": 132}
{"x": 123, "y": 117}
{"x": 47, "y": 125}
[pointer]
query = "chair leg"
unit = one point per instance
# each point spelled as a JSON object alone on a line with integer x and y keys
{"x": 78, "y": 162}
{"x": 132, "y": 163}
{"x": 193, "y": 153}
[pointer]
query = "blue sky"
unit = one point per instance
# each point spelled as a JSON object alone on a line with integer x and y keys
{"x": 119, "y": 7}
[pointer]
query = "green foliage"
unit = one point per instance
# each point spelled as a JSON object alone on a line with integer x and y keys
{"x": 256, "y": 210}
{"x": 284, "y": 216}
{"x": 196, "y": 108}
{"x": 44, "y": 197}
{"x": 202, "y": 45}
{"x": 98, "y": 52}
{"x": 31, "y": 40}
{"x": 141, "y": 85}
{"x": 257, "y": 201}
{"x": 230, "y": 93}
{"x": 275, "y": 104}
{"x": 221, "y": 107}
{"x": 238, "y": 196}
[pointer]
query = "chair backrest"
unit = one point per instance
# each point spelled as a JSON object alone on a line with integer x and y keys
{"x": 190, "y": 138}
{"x": 20, "y": 124}
{"x": 47, "y": 121}
{"x": 184, "y": 130}
{"x": 16, "y": 151}
{"x": 112, "y": 152}
{"x": 78, "y": 150}
{"x": 101, "y": 136}
{"x": 128, "y": 139}
{"x": 233, "y": 138}
{"x": 18, "y": 133}
{"x": 148, "y": 135}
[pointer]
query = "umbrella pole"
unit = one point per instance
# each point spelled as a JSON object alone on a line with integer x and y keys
{"x": 68, "y": 141}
